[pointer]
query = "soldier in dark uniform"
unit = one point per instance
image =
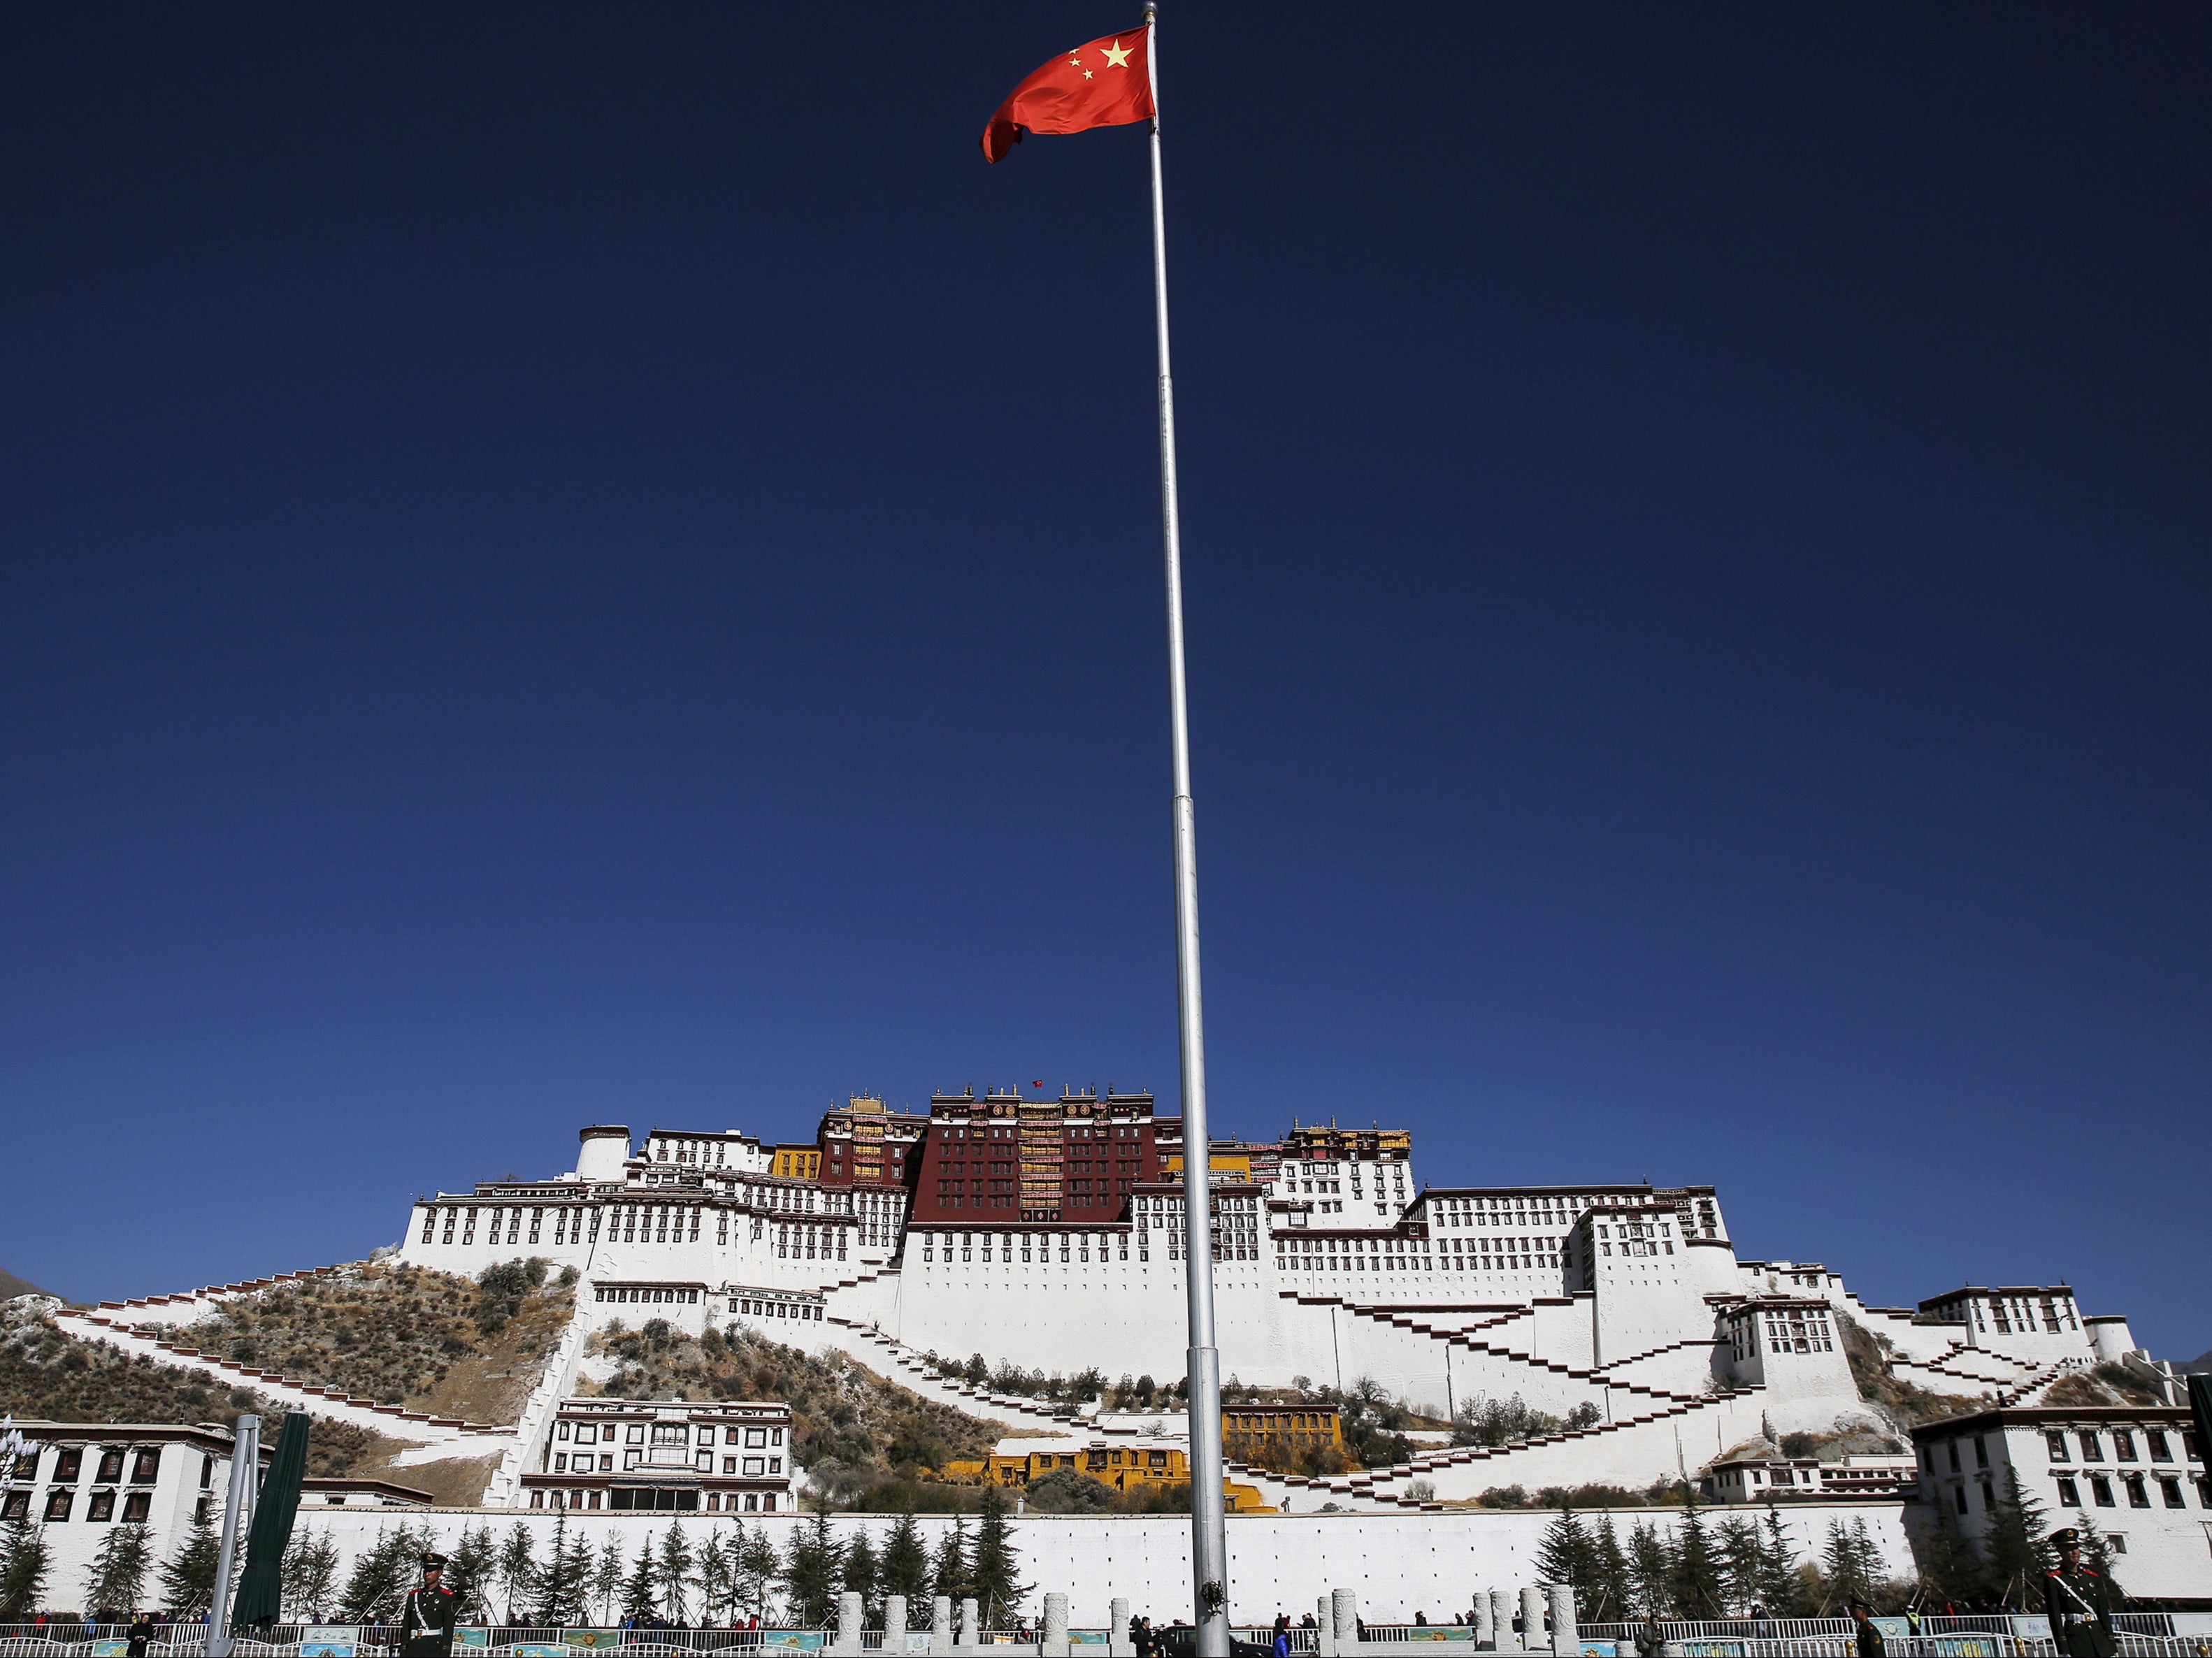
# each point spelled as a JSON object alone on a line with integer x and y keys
{"x": 1865, "y": 1632}
{"x": 2079, "y": 1602}
{"x": 426, "y": 1627}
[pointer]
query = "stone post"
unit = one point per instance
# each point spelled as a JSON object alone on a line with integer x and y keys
{"x": 1531, "y": 1618}
{"x": 850, "y": 1615}
{"x": 971, "y": 1625}
{"x": 895, "y": 1623}
{"x": 1485, "y": 1631}
{"x": 1325, "y": 1626}
{"x": 1344, "y": 1617}
{"x": 940, "y": 1626}
{"x": 1566, "y": 1642}
{"x": 1501, "y": 1620}
{"x": 1055, "y": 1627}
{"x": 1118, "y": 1643}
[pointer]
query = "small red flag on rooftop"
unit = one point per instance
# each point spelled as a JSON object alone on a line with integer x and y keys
{"x": 1106, "y": 83}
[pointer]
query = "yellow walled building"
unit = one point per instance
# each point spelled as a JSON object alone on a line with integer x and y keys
{"x": 1124, "y": 1468}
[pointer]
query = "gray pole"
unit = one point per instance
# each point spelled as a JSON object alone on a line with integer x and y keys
{"x": 238, "y": 1505}
{"x": 1209, "y": 1539}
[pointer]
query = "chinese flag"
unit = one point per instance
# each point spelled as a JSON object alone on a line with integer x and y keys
{"x": 1107, "y": 83}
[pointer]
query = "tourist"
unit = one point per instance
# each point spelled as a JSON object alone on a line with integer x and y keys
{"x": 1864, "y": 1631}
{"x": 140, "y": 1632}
{"x": 1649, "y": 1643}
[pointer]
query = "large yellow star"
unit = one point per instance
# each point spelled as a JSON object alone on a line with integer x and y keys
{"x": 1117, "y": 56}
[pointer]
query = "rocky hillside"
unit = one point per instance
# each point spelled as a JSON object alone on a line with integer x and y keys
{"x": 852, "y": 1429}
{"x": 403, "y": 1335}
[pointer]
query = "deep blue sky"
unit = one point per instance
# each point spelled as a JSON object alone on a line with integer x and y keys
{"x": 582, "y": 562}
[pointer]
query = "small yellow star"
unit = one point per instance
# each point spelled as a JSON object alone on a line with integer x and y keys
{"x": 1117, "y": 56}
{"x": 1088, "y": 76}
{"x": 1074, "y": 60}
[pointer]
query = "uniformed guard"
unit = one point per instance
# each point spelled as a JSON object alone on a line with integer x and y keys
{"x": 1866, "y": 1633}
{"x": 2079, "y": 1602}
{"x": 426, "y": 1627}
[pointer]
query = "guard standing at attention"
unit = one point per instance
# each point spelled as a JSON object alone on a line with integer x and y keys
{"x": 426, "y": 1627}
{"x": 2079, "y": 1602}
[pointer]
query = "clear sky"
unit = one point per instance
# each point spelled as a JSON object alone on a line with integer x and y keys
{"x": 568, "y": 563}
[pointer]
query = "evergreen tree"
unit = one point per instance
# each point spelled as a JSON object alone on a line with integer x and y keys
{"x": 1777, "y": 1567}
{"x": 1840, "y": 1567}
{"x": 1564, "y": 1556}
{"x": 188, "y": 1576}
{"x": 676, "y": 1562}
{"x": 2097, "y": 1555}
{"x": 1948, "y": 1569}
{"x": 379, "y": 1579}
{"x": 949, "y": 1574}
{"x": 1693, "y": 1584}
{"x": 565, "y": 1580}
{"x": 637, "y": 1594}
{"x": 1735, "y": 1546}
{"x": 757, "y": 1566}
{"x": 997, "y": 1566}
{"x": 905, "y": 1566}
{"x": 1612, "y": 1568}
{"x": 117, "y": 1577}
{"x": 810, "y": 1572}
{"x": 714, "y": 1578}
{"x": 471, "y": 1572}
{"x": 24, "y": 1557}
{"x": 1650, "y": 1569}
{"x": 607, "y": 1577}
{"x": 862, "y": 1573}
{"x": 310, "y": 1575}
{"x": 2014, "y": 1554}
{"x": 1866, "y": 1556}
{"x": 517, "y": 1568}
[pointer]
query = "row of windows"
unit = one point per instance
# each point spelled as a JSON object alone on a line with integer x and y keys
{"x": 2155, "y": 1441}
{"x": 100, "y": 1505}
{"x": 2136, "y": 1487}
{"x": 69, "y": 1465}
{"x": 751, "y": 1307}
{"x": 644, "y": 1293}
{"x": 717, "y": 1501}
{"x": 754, "y": 1468}
{"x": 663, "y": 1433}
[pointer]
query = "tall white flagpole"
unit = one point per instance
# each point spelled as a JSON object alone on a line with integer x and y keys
{"x": 1209, "y": 1539}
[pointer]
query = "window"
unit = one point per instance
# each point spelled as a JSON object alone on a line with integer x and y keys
{"x": 2170, "y": 1489}
{"x": 2057, "y": 1442}
{"x": 1981, "y": 1452}
{"x": 68, "y": 1465}
{"x": 136, "y": 1506}
{"x": 16, "y": 1506}
{"x": 102, "y": 1506}
{"x": 2070, "y": 1495}
{"x": 57, "y": 1504}
{"x": 111, "y": 1467}
{"x": 2161, "y": 1450}
{"x": 2101, "y": 1491}
{"x": 2137, "y": 1496}
{"x": 2123, "y": 1445}
{"x": 2092, "y": 1448}
{"x": 756, "y": 1438}
{"x": 146, "y": 1467}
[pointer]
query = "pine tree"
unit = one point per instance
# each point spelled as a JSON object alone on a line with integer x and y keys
{"x": 905, "y": 1566}
{"x": 1840, "y": 1567}
{"x": 310, "y": 1575}
{"x": 1866, "y": 1556}
{"x": 997, "y": 1566}
{"x": 714, "y": 1578}
{"x": 607, "y": 1577}
{"x": 1735, "y": 1546}
{"x": 1948, "y": 1569}
{"x": 1564, "y": 1556}
{"x": 810, "y": 1570}
{"x": 637, "y": 1594}
{"x": 517, "y": 1568}
{"x": 2013, "y": 1550}
{"x": 757, "y": 1566}
{"x": 379, "y": 1579}
{"x": 862, "y": 1573}
{"x": 2097, "y": 1555}
{"x": 1694, "y": 1585}
{"x": 1777, "y": 1567}
{"x": 1651, "y": 1569}
{"x": 188, "y": 1576}
{"x": 470, "y": 1573}
{"x": 117, "y": 1577}
{"x": 565, "y": 1578}
{"x": 1611, "y": 1566}
{"x": 24, "y": 1557}
{"x": 677, "y": 1561}
{"x": 949, "y": 1574}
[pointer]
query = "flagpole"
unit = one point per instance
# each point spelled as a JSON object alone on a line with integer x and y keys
{"x": 1209, "y": 1539}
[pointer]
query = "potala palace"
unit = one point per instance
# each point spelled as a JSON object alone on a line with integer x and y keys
{"x": 1046, "y": 1233}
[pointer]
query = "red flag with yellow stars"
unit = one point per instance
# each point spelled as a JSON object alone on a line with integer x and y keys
{"x": 1106, "y": 83}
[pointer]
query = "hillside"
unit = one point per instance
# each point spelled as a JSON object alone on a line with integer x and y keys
{"x": 11, "y": 1286}
{"x": 403, "y": 1335}
{"x": 851, "y": 1429}
{"x": 50, "y": 1375}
